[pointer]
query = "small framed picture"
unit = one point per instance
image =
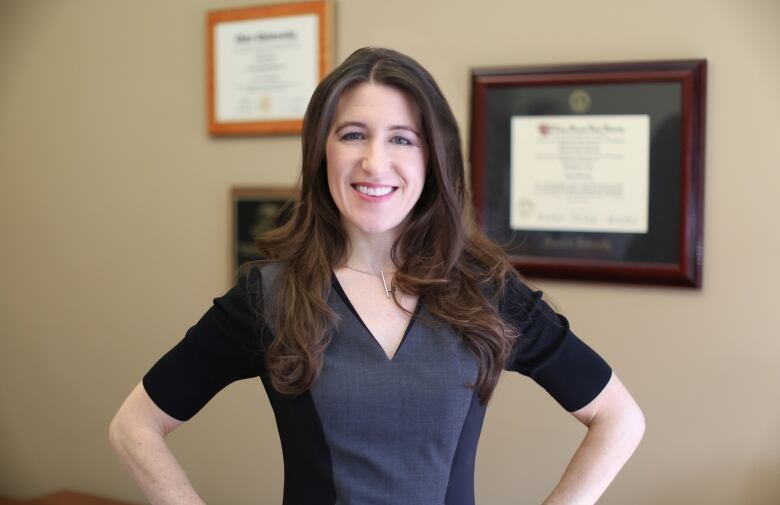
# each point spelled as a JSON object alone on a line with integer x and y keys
{"x": 263, "y": 65}
{"x": 256, "y": 211}
{"x": 593, "y": 171}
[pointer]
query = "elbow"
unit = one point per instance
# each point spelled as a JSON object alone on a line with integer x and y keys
{"x": 625, "y": 422}
{"x": 626, "y": 429}
{"x": 116, "y": 435}
{"x": 137, "y": 424}
{"x": 122, "y": 434}
{"x": 633, "y": 425}
{"x": 640, "y": 424}
{"x": 629, "y": 418}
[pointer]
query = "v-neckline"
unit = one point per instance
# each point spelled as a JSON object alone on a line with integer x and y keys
{"x": 344, "y": 298}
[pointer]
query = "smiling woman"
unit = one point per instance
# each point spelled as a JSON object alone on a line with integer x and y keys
{"x": 381, "y": 322}
{"x": 376, "y": 159}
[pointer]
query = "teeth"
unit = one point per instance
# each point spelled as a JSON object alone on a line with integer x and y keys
{"x": 374, "y": 191}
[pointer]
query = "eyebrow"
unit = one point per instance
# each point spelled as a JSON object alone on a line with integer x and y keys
{"x": 364, "y": 126}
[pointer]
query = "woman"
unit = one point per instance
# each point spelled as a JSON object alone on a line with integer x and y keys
{"x": 381, "y": 322}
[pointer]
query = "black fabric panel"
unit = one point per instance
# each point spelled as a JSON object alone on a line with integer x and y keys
{"x": 548, "y": 351}
{"x": 460, "y": 489}
{"x": 308, "y": 472}
{"x": 223, "y": 347}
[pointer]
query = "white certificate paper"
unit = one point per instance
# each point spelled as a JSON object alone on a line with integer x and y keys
{"x": 265, "y": 69}
{"x": 580, "y": 173}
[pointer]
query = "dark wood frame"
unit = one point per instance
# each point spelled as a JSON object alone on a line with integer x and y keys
{"x": 321, "y": 8}
{"x": 691, "y": 75}
{"x": 242, "y": 194}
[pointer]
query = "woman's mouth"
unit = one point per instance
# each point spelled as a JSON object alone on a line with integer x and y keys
{"x": 374, "y": 192}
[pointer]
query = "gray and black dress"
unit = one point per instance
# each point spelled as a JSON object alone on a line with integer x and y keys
{"x": 373, "y": 430}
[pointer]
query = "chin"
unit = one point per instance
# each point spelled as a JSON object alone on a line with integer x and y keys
{"x": 377, "y": 228}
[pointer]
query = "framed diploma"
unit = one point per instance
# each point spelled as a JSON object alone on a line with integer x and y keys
{"x": 593, "y": 171}
{"x": 256, "y": 211}
{"x": 263, "y": 65}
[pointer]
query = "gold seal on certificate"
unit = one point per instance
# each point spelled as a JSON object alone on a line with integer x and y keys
{"x": 580, "y": 173}
{"x": 579, "y": 101}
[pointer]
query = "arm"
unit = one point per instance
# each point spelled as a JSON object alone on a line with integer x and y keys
{"x": 137, "y": 435}
{"x": 222, "y": 347}
{"x": 615, "y": 427}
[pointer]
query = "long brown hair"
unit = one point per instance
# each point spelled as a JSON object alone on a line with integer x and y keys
{"x": 440, "y": 254}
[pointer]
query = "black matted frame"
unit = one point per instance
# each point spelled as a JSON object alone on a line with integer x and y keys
{"x": 255, "y": 210}
{"x": 672, "y": 94}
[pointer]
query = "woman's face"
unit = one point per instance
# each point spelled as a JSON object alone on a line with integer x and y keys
{"x": 376, "y": 158}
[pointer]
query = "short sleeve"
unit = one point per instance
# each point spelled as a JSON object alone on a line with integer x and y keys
{"x": 548, "y": 352}
{"x": 222, "y": 347}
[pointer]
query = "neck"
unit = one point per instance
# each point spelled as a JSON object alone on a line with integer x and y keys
{"x": 370, "y": 252}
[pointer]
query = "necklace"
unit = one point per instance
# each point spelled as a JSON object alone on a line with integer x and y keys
{"x": 380, "y": 274}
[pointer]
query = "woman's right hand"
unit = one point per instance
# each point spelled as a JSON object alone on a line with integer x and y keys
{"x": 137, "y": 435}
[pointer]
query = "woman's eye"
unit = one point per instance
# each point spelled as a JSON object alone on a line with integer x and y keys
{"x": 401, "y": 140}
{"x": 352, "y": 136}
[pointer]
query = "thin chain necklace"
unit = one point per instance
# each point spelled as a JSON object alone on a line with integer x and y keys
{"x": 380, "y": 274}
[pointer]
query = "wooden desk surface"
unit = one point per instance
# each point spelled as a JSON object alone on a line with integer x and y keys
{"x": 64, "y": 498}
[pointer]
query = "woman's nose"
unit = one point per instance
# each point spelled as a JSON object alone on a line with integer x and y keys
{"x": 375, "y": 158}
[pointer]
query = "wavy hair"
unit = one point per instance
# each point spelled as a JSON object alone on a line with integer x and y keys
{"x": 441, "y": 254}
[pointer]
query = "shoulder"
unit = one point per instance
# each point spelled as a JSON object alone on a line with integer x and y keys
{"x": 256, "y": 281}
{"x": 253, "y": 277}
{"x": 517, "y": 297}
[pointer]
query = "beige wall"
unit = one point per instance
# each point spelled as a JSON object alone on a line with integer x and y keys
{"x": 114, "y": 238}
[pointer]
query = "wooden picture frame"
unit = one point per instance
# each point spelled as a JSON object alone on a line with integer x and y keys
{"x": 263, "y": 64}
{"x": 669, "y": 95}
{"x": 255, "y": 210}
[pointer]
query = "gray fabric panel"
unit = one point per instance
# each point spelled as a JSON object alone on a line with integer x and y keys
{"x": 393, "y": 426}
{"x": 269, "y": 273}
